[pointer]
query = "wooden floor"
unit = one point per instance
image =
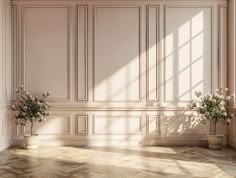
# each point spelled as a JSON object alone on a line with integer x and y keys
{"x": 116, "y": 162}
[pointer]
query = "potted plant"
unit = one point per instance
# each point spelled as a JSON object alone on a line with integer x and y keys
{"x": 212, "y": 107}
{"x": 30, "y": 109}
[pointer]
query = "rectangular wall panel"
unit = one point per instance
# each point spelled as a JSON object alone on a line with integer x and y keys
{"x": 223, "y": 45}
{"x": 117, "y": 54}
{"x": 154, "y": 124}
{"x": 54, "y": 125}
{"x": 116, "y": 125}
{"x": 82, "y": 53}
{"x": 14, "y": 52}
{"x": 153, "y": 39}
{"x": 188, "y": 52}
{"x": 46, "y": 50}
{"x": 184, "y": 125}
{"x": 82, "y": 124}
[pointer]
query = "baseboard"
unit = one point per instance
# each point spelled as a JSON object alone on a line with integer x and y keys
{"x": 116, "y": 142}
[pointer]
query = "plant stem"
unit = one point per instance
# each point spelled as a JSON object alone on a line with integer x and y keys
{"x": 214, "y": 128}
{"x": 31, "y": 128}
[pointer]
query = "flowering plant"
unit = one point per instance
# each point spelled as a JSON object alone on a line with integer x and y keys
{"x": 213, "y": 107}
{"x": 29, "y": 108}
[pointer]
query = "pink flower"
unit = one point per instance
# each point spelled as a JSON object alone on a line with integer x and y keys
{"x": 13, "y": 107}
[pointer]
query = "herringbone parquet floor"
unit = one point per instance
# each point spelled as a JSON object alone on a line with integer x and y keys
{"x": 116, "y": 162}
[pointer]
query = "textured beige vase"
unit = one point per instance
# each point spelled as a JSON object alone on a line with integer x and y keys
{"x": 215, "y": 141}
{"x": 31, "y": 141}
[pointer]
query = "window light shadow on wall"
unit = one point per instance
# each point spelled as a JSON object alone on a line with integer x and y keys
{"x": 186, "y": 64}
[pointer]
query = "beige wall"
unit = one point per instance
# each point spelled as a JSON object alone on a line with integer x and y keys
{"x": 120, "y": 72}
{"x": 5, "y": 65}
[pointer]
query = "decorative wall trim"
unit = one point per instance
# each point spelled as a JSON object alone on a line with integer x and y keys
{"x": 139, "y": 1}
{"x": 140, "y": 54}
{"x": 85, "y": 59}
{"x": 14, "y": 53}
{"x": 81, "y": 129}
{"x": 109, "y": 108}
{"x": 213, "y": 67}
{"x": 88, "y": 110}
{"x": 178, "y": 116}
{"x": 67, "y": 117}
{"x": 222, "y": 59}
{"x": 69, "y": 60}
{"x": 157, "y": 124}
{"x": 128, "y": 117}
{"x": 157, "y": 65}
{"x": 19, "y": 130}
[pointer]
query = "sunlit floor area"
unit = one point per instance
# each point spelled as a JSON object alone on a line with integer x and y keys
{"x": 104, "y": 162}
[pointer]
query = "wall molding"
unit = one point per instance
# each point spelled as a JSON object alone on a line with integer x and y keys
{"x": 140, "y": 54}
{"x": 68, "y": 130}
{"x": 14, "y": 54}
{"x": 97, "y": 117}
{"x": 222, "y": 62}
{"x": 188, "y": 134}
{"x": 69, "y": 41}
{"x": 159, "y": 127}
{"x": 85, "y": 83}
{"x": 89, "y": 109}
{"x": 85, "y": 118}
{"x": 213, "y": 67}
{"x": 158, "y": 55}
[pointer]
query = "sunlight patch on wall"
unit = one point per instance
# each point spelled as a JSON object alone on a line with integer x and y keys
{"x": 187, "y": 53}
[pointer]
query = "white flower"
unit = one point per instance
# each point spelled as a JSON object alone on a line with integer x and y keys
{"x": 198, "y": 93}
{"x": 222, "y": 103}
{"x": 217, "y": 90}
{"x": 224, "y": 114}
{"x": 222, "y": 108}
{"x": 226, "y": 89}
{"x": 217, "y": 96}
{"x": 221, "y": 97}
{"x": 209, "y": 95}
{"x": 228, "y": 120}
{"x": 228, "y": 98}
